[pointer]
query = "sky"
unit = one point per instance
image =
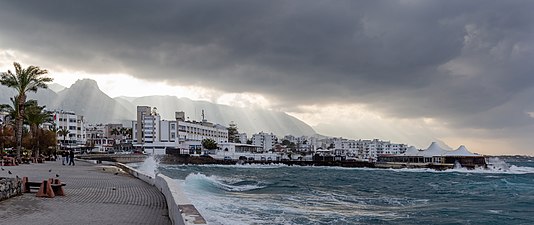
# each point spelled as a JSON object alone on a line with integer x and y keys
{"x": 409, "y": 71}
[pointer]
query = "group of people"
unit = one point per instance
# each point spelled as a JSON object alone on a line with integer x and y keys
{"x": 67, "y": 156}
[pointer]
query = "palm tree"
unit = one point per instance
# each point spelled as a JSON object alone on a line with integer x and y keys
{"x": 24, "y": 80}
{"x": 11, "y": 111}
{"x": 35, "y": 116}
{"x": 63, "y": 132}
{"x": 115, "y": 132}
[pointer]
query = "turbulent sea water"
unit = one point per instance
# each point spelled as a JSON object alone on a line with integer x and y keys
{"x": 277, "y": 194}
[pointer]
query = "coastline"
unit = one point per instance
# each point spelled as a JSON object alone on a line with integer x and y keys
{"x": 181, "y": 210}
{"x": 196, "y": 160}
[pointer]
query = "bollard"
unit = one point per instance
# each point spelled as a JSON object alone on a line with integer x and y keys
{"x": 25, "y": 186}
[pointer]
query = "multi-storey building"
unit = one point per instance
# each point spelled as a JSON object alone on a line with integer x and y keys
{"x": 265, "y": 140}
{"x": 102, "y": 138}
{"x": 152, "y": 133}
{"x": 242, "y": 137}
{"x": 75, "y": 124}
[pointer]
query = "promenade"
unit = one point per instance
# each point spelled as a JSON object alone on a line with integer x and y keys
{"x": 94, "y": 194}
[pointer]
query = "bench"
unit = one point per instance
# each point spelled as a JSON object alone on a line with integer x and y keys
{"x": 57, "y": 188}
{"x": 30, "y": 185}
{"x": 47, "y": 188}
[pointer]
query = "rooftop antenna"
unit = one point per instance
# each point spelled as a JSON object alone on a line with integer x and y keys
{"x": 203, "y": 116}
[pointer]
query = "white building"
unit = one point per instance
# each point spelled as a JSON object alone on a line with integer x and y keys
{"x": 154, "y": 135}
{"x": 75, "y": 124}
{"x": 264, "y": 140}
{"x": 242, "y": 138}
{"x": 367, "y": 150}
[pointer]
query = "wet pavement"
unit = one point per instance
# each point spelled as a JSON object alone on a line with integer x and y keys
{"x": 94, "y": 194}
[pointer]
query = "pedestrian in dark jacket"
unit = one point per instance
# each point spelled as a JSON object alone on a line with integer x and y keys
{"x": 64, "y": 157}
{"x": 71, "y": 158}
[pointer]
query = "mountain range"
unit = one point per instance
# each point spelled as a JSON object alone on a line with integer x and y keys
{"x": 84, "y": 97}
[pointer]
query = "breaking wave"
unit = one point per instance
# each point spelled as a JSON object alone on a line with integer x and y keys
{"x": 215, "y": 183}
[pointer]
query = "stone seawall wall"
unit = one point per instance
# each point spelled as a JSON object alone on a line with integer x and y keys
{"x": 10, "y": 187}
{"x": 181, "y": 211}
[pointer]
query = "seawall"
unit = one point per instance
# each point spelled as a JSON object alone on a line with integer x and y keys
{"x": 181, "y": 210}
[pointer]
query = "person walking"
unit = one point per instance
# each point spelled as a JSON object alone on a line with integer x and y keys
{"x": 71, "y": 158}
{"x": 64, "y": 158}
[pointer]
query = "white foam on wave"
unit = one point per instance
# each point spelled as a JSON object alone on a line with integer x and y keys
{"x": 247, "y": 166}
{"x": 200, "y": 180}
{"x": 219, "y": 208}
{"x": 218, "y": 197}
{"x": 495, "y": 166}
{"x": 511, "y": 170}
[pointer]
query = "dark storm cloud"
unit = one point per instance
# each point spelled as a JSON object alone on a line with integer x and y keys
{"x": 465, "y": 62}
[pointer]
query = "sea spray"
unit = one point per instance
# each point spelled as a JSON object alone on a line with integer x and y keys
{"x": 149, "y": 166}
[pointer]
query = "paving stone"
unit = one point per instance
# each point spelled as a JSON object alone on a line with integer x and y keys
{"x": 92, "y": 196}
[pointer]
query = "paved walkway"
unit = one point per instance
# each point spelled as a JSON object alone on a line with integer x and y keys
{"x": 93, "y": 195}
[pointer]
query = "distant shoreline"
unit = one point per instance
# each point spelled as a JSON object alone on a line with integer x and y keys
{"x": 200, "y": 160}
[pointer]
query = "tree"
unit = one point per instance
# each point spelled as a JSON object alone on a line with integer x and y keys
{"x": 126, "y": 132}
{"x": 286, "y": 142}
{"x": 11, "y": 111}
{"x": 23, "y": 80}
{"x": 9, "y": 124}
{"x": 292, "y": 146}
{"x": 63, "y": 132}
{"x": 233, "y": 134}
{"x": 114, "y": 132}
{"x": 209, "y": 144}
{"x": 35, "y": 116}
{"x": 6, "y": 137}
{"x": 48, "y": 142}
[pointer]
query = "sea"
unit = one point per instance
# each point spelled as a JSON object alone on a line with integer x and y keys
{"x": 280, "y": 194}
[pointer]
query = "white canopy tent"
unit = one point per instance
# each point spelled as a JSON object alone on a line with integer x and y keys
{"x": 435, "y": 150}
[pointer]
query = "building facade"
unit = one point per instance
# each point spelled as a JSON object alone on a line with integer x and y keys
{"x": 265, "y": 140}
{"x": 154, "y": 134}
{"x": 75, "y": 124}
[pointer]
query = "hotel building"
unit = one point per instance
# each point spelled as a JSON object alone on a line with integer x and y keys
{"x": 154, "y": 135}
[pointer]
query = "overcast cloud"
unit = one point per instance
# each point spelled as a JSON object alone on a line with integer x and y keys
{"x": 469, "y": 63}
